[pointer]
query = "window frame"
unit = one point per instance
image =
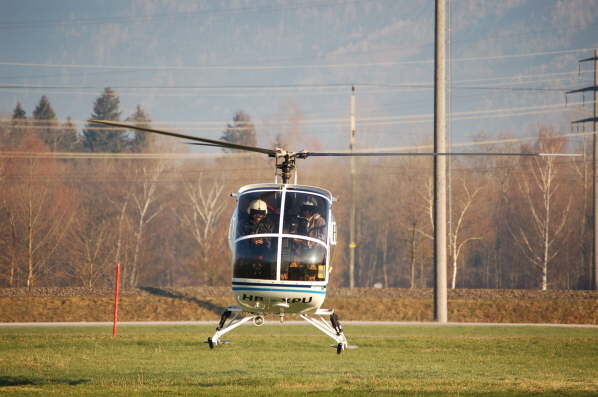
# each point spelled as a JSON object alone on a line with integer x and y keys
{"x": 280, "y": 235}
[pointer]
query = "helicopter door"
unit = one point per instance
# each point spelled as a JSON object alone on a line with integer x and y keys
{"x": 303, "y": 254}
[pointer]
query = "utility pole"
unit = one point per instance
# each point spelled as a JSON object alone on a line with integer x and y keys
{"x": 352, "y": 244}
{"x": 594, "y": 120}
{"x": 440, "y": 215}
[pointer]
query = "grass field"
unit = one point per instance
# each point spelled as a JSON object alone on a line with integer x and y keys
{"x": 295, "y": 360}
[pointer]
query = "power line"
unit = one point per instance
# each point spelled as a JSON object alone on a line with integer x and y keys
{"x": 522, "y": 76}
{"x": 41, "y": 23}
{"x": 369, "y": 88}
{"x": 196, "y": 156}
{"x": 342, "y": 120}
{"x": 326, "y": 123}
{"x": 282, "y": 67}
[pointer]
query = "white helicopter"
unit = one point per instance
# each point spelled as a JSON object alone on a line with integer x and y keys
{"x": 281, "y": 236}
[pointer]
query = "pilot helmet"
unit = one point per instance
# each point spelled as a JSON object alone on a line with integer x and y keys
{"x": 257, "y": 207}
{"x": 309, "y": 205}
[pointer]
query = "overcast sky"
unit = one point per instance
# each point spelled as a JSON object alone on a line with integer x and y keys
{"x": 291, "y": 64}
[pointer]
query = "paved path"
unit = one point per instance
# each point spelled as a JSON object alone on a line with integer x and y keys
{"x": 276, "y": 322}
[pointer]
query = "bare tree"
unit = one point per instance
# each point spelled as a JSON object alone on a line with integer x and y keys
{"x": 90, "y": 248}
{"x": 539, "y": 236}
{"x": 204, "y": 206}
{"x": 10, "y": 246}
{"x": 146, "y": 207}
{"x": 456, "y": 241}
{"x": 102, "y": 230}
{"x": 419, "y": 222}
{"x": 119, "y": 237}
{"x": 8, "y": 237}
{"x": 43, "y": 210}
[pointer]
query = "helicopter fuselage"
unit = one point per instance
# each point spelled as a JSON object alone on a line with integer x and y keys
{"x": 281, "y": 237}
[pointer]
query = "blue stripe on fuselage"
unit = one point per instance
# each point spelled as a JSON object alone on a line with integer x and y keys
{"x": 276, "y": 285}
{"x": 277, "y": 290}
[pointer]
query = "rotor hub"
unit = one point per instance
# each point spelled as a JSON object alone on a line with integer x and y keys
{"x": 285, "y": 162}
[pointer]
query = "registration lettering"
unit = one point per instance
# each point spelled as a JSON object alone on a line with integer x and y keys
{"x": 253, "y": 298}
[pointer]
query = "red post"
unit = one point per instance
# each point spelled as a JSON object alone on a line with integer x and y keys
{"x": 116, "y": 289}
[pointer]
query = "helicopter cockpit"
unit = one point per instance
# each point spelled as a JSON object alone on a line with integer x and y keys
{"x": 282, "y": 233}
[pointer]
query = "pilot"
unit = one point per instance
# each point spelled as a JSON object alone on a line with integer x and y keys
{"x": 257, "y": 223}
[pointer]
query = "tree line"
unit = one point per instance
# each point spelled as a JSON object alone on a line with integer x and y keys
{"x": 514, "y": 222}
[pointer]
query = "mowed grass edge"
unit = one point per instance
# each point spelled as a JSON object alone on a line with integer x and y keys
{"x": 295, "y": 360}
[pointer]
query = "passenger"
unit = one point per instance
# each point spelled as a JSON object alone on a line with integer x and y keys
{"x": 311, "y": 224}
{"x": 315, "y": 224}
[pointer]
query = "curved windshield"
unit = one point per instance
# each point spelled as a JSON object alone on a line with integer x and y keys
{"x": 302, "y": 260}
{"x": 306, "y": 214}
{"x": 256, "y": 258}
{"x": 258, "y": 213}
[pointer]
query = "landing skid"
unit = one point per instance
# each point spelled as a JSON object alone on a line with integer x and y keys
{"x": 234, "y": 317}
{"x": 230, "y": 319}
{"x": 333, "y": 330}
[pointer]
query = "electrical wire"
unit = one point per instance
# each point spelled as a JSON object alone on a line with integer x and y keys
{"x": 196, "y": 156}
{"x": 284, "y": 67}
{"x": 167, "y": 17}
{"x": 328, "y": 124}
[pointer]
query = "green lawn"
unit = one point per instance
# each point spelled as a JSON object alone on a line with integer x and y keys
{"x": 295, "y": 360}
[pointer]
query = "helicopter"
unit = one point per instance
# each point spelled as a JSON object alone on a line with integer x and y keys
{"x": 281, "y": 236}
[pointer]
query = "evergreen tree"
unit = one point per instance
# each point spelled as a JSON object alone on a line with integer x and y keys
{"x": 99, "y": 138}
{"x": 142, "y": 141}
{"x": 43, "y": 110}
{"x": 12, "y": 136}
{"x": 241, "y": 131}
{"x": 70, "y": 139}
{"x": 46, "y": 123}
{"x": 19, "y": 113}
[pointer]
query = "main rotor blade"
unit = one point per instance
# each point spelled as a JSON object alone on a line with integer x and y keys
{"x": 213, "y": 142}
{"x": 375, "y": 154}
{"x": 203, "y": 144}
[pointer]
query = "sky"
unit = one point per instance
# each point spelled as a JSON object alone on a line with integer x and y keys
{"x": 291, "y": 64}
